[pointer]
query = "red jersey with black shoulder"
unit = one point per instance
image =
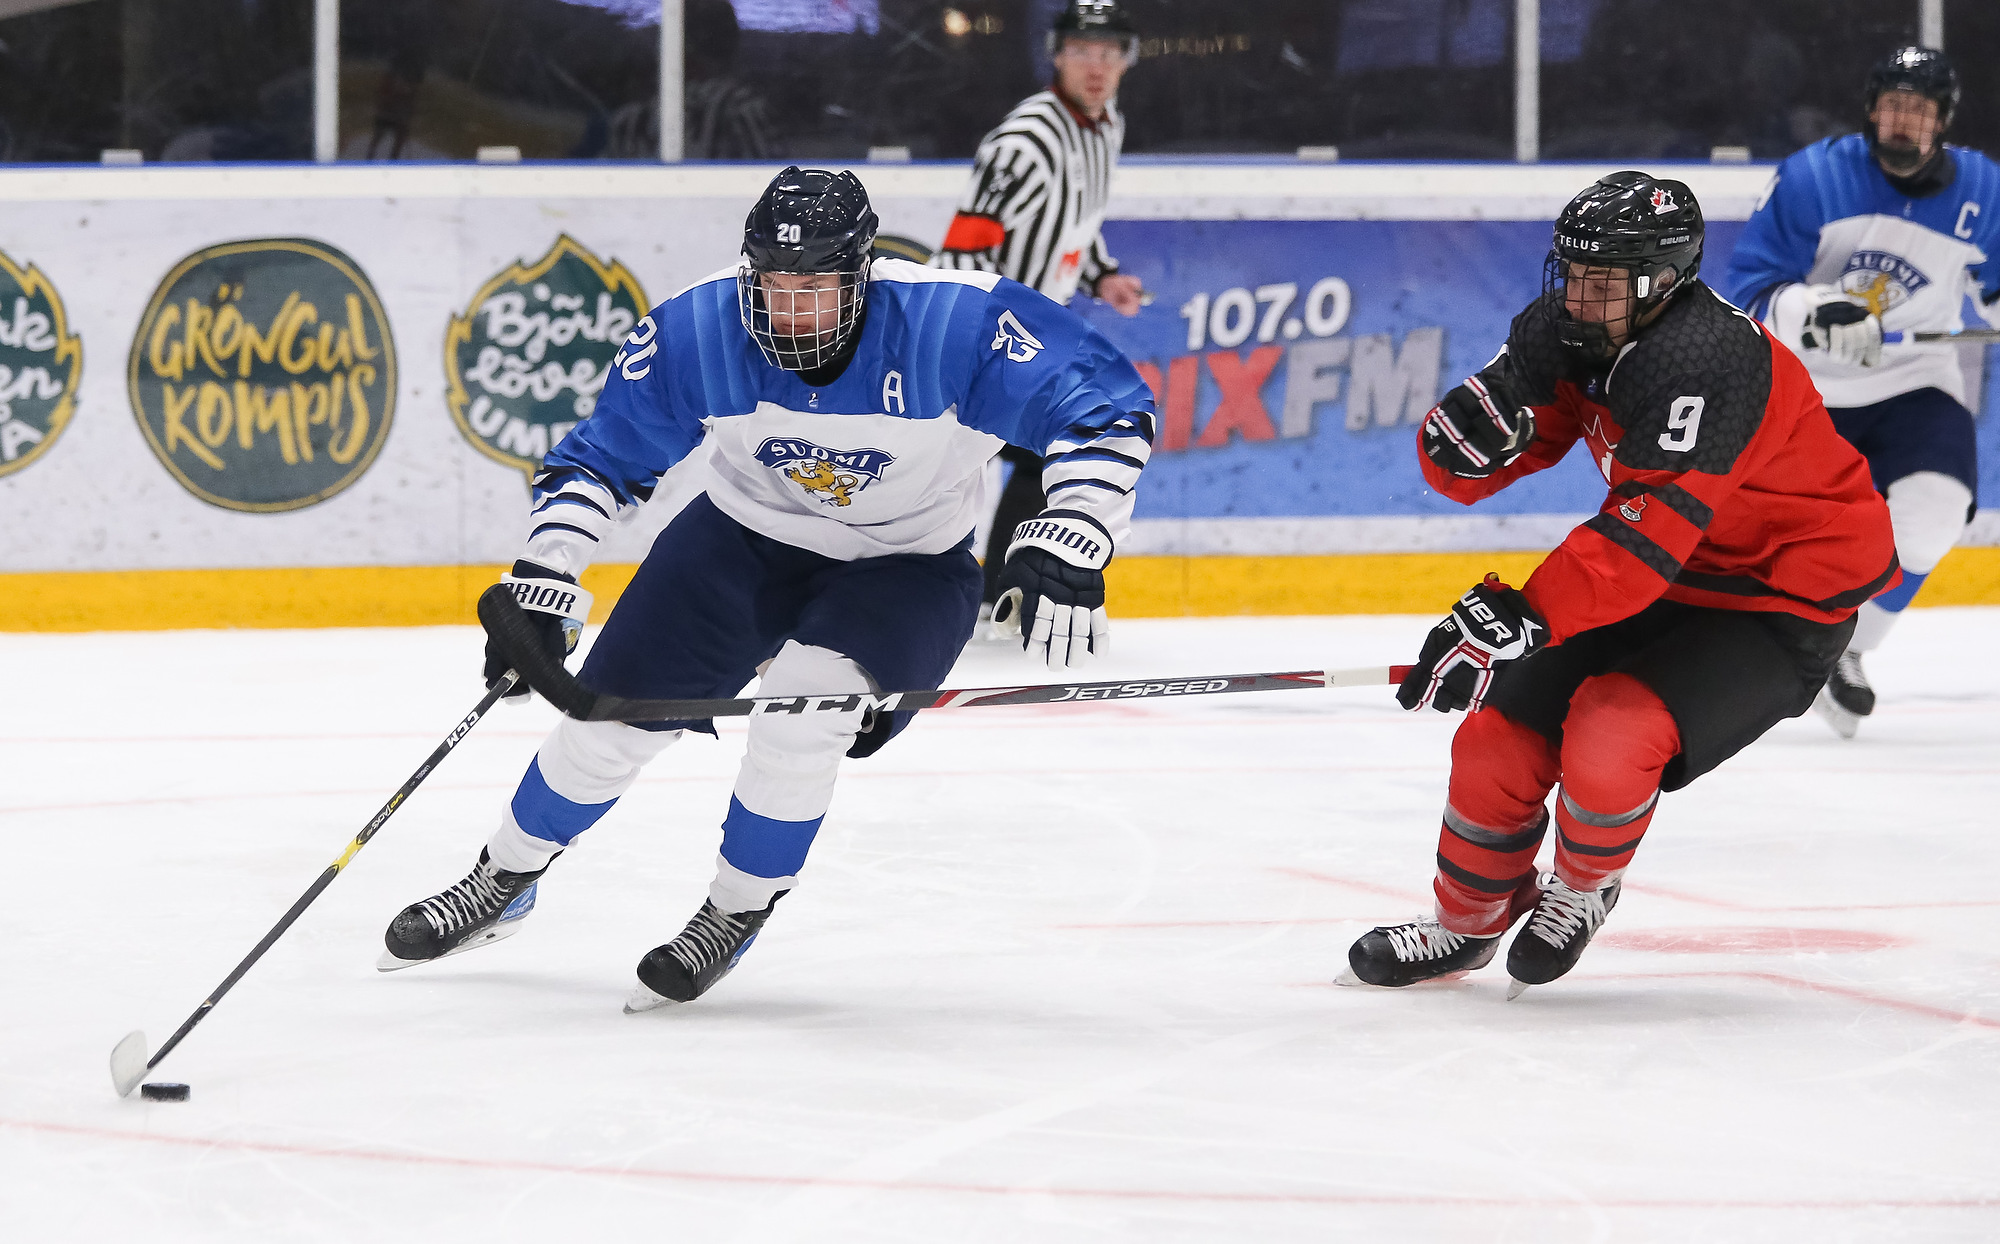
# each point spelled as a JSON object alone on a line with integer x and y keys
{"x": 1729, "y": 487}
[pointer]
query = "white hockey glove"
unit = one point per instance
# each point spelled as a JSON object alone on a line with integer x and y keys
{"x": 1052, "y": 587}
{"x": 557, "y": 607}
{"x": 1840, "y": 327}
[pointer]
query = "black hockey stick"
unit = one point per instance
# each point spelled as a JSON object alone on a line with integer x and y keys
{"x": 514, "y": 634}
{"x": 129, "y": 1063}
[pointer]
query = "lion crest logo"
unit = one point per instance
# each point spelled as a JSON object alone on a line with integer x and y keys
{"x": 1881, "y": 280}
{"x": 830, "y": 476}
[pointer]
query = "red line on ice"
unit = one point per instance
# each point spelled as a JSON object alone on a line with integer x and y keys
{"x": 1839, "y": 991}
{"x": 1128, "y": 1194}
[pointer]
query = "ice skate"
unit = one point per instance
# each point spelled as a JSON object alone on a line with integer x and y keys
{"x": 1847, "y": 697}
{"x": 1564, "y": 922}
{"x": 486, "y": 906}
{"x": 685, "y": 968}
{"x": 1396, "y": 955}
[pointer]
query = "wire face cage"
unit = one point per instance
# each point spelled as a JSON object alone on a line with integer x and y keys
{"x": 1593, "y": 305}
{"x": 801, "y": 320}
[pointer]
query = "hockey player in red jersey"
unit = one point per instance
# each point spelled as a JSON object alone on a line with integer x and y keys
{"x": 1705, "y": 602}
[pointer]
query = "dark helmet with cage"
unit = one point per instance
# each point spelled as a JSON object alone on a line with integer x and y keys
{"x": 1623, "y": 247}
{"x": 809, "y": 224}
{"x": 1104, "y": 20}
{"x": 1925, "y": 71}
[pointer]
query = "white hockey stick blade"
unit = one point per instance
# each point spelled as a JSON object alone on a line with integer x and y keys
{"x": 128, "y": 1063}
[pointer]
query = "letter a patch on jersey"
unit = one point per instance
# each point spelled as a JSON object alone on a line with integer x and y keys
{"x": 1020, "y": 344}
{"x": 829, "y": 476}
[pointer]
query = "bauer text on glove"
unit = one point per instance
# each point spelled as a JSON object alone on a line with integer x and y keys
{"x": 1490, "y": 626}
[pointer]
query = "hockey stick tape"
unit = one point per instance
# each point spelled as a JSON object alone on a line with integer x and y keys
{"x": 1072, "y": 536}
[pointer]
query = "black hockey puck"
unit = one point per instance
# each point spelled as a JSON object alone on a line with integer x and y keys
{"x": 163, "y": 1092}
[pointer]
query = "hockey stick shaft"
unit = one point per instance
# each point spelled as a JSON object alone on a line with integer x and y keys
{"x": 325, "y": 878}
{"x": 1968, "y": 334}
{"x": 514, "y": 635}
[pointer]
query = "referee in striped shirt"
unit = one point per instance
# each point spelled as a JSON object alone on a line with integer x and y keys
{"x": 1035, "y": 210}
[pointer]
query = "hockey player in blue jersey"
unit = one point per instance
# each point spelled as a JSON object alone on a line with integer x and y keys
{"x": 1888, "y": 230}
{"x": 848, "y": 409}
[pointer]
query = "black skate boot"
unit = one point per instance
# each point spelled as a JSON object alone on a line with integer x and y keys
{"x": 1847, "y": 697}
{"x": 1564, "y": 922}
{"x": 685, "y": 968}
{"x": 1404, "y": 954}
{"x": 485, "y": 907}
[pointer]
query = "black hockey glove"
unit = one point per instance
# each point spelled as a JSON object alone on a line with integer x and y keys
{"x": 1479, "y": 427}
{"x": 557, "y": 607}
{"x": 1052, "y": 587}
{"x": 1489, "y": 626}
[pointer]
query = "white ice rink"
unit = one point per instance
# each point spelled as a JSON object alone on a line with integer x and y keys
{"x": 1054, "y": 974}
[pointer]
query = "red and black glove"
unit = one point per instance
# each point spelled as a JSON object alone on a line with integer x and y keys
{"x": 1479, "y": 427}
{"x": 1489, "y": 626}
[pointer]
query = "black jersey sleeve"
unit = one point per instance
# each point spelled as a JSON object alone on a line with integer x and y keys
{"x": 1691, "y": 394}
{"x": 1534, "y": 359}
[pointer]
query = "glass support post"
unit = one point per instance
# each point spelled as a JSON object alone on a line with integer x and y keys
{"x": 1528, "y": 81}
{"x": 673, "y": 72}
{"x": 326, "y": 80}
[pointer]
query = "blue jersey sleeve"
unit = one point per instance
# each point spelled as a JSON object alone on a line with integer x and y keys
{"x": 1048, "y": 382}
{"x": 608, "y": 464}
{"x": 1780, "y": 241}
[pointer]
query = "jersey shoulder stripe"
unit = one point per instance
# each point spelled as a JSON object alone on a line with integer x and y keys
{"x": 902, "y": 270}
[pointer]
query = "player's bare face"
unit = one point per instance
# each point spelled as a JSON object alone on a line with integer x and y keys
{"x": 1906, "y": 130}
{"x": 1600, "y": 296}
{"x": 1088, "y": 72}
{"x": 802, "y": 304}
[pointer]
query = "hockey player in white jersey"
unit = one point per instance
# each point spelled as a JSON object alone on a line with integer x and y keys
{"x": 850, "y": 407}
{"x": 1885, "y": 232}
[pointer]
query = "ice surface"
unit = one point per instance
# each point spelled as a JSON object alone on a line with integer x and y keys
{"x": 1054, "y": 975}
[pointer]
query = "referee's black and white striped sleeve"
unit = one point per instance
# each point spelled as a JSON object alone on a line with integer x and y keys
{"x": 1038, "y": 177}
{"x": 573, "y": 512}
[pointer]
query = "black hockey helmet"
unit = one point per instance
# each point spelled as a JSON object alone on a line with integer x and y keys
{"x": 1649, "y": 227}
{"x": 808, "y": 222}
{"x": 1095, "y": 19}
{"x": 1923, "y": 70}
{"x": 1927, "y": 73}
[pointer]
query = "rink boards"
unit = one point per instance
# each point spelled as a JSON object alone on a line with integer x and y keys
{"x": 311, "y": 396}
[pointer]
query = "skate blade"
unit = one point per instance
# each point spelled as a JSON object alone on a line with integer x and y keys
{"x": 390, "y": 963}
{"x": 642, "y": 998}
{"x": 1844, "y": 723}
{"x": 1515, "y": 989}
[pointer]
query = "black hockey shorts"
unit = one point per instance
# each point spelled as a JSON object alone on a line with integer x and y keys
{"x": 1726, "y": 675}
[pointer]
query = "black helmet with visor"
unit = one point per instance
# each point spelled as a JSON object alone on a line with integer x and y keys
{"x": 1629, "y": 238}
{"x": 809, "y": 223}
